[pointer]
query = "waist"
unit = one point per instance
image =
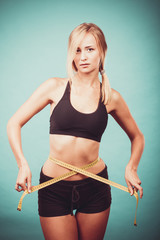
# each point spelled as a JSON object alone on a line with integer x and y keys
{"x": 52, "y": 169}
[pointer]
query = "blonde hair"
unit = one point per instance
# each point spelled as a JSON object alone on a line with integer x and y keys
{"x": 75, "y": 38}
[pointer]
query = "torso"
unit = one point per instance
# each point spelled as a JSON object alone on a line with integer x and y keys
{"x": 74, "y": 150}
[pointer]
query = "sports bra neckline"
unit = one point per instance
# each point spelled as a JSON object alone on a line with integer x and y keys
{"x": 69, "y": 98}
{"x": 67, "y": 120}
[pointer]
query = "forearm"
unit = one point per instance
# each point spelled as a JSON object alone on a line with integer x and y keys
{"x": 137, "y": 147}
{"x": 14, "y": 136}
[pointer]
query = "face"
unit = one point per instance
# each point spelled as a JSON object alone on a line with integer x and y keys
{"x": 87, "y": 57}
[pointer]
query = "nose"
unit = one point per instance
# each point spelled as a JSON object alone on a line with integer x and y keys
{"x": 83, "y": 56}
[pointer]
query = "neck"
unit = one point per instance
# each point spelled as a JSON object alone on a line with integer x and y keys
{"x": 87, "y": 79}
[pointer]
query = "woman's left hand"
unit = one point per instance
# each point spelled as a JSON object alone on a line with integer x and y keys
{"x": 133, "y": 181}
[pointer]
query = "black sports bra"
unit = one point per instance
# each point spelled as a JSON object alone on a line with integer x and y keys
{"x": 66, "y": 120}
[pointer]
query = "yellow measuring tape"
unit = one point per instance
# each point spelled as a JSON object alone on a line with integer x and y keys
{"x": 54, "y": 180}
{"x": 74, "y": 171}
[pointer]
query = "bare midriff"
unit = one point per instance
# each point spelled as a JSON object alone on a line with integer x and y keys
{"x": 73, "y": 150}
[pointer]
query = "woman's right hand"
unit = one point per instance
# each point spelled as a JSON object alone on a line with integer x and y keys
{"x": 24, "y": 179}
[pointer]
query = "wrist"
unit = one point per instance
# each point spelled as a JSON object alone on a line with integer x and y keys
{"x": 131, "y": 166}
{"x": 22, "y": 163}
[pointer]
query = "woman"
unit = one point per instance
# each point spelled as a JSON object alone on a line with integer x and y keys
{"x": 80, "y": 106}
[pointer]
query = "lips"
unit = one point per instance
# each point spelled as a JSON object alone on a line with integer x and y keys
{"x": 84, "y": 64}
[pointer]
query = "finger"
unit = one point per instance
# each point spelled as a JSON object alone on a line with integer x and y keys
{"x": 29, "y": 184}
{"x": 18, "y": 187}
{"x": 130, "y": 188}
{"x": 141, "y": 191}
{"x": 138, "y": 187}
{"x": 23, "y": 186}
{"x": 139, "y": 182}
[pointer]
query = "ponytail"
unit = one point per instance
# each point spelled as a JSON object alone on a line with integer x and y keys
{"x": 106, "y": 89}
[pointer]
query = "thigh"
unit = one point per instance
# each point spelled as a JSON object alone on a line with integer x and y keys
{"x": 92, "y": 226}
{"x": 59, "y": 228}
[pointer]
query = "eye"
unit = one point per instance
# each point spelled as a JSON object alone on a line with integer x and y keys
{"x": 78, "y": 50}
{"x": 90, "y": 49}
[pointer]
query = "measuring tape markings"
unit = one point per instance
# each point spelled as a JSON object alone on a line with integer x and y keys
{"x": 96, "y": 177}
{"x": 74, "y": 171}
{"x": 52, "y": 181}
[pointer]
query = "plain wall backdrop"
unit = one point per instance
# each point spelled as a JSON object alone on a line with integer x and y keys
{"x": 33, "y": 47}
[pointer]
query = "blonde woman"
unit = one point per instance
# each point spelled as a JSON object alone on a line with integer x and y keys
{"x": 80, "y": 106}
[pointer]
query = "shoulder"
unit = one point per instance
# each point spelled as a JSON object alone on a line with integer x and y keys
{"x": 55, "y": 82}
{"x": 116, "y": 96}
{"x": 55, "y": 87}
{"x": 51, "y": 88}
{"x": 115, "y": 102}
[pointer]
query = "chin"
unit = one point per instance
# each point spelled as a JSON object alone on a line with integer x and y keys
{"x": 85, "y": 70}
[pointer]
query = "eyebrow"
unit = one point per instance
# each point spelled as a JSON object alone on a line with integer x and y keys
{"x": 87, "y": 46}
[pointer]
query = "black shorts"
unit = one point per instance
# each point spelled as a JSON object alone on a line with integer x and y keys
{"x": 87, "y": 196}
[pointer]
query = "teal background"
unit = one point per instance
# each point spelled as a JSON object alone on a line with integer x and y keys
{"x": 33, "y": 48}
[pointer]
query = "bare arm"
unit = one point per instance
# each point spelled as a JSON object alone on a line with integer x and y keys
{"x": 120, "y": 112}
{"x": 39, "y": 99}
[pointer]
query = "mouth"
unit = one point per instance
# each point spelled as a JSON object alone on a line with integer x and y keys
{"x": 84, "y": 64}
